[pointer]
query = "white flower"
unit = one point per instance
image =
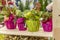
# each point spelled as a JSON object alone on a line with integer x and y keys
{"x": 49, "y": 7}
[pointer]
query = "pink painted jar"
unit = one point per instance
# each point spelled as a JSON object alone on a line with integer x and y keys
{"x": 10, "y": 22}
{"x": 21, "y": 24}
{"x": 47, "y": 25}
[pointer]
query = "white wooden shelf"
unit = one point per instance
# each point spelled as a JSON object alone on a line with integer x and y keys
{"x": 40, "y": 33}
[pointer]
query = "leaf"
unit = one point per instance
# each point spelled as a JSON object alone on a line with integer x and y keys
{"x": 27, "y": 5}
{"x": 21, "y": 6}
{"x": 19, "y": 13}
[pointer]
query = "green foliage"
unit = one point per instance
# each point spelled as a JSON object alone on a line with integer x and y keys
{"x": 14, "y": 9}
{"x": 4, "y": 8}
{"x": 19, "y": 13}
{"x": 27, "y": 5}
{"x": 33, "y": 14}
{"x": 41, "y": 1}
{"x": 5, "y": 11}
{"x": 44, "y": 3}
{"x": 1, "y": 17}
{"x": 28, "y": 15}
{"x": 46, "y": 15}
{"x": 21, "y": 6}
{"x": 26, "y": 11}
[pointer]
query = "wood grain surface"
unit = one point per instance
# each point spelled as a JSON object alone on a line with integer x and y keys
{"x": 56, "y": 19}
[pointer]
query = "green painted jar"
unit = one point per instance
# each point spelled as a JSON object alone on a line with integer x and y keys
{"x": 33, "y": 25}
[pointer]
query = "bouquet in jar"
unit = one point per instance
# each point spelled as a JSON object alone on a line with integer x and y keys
{"x": 47, "y": 22}
{"x": 9, "y": 17}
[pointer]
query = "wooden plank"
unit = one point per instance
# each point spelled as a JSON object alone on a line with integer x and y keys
{"x": 56, "y": 19}
{"x": 26, "y": 33}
